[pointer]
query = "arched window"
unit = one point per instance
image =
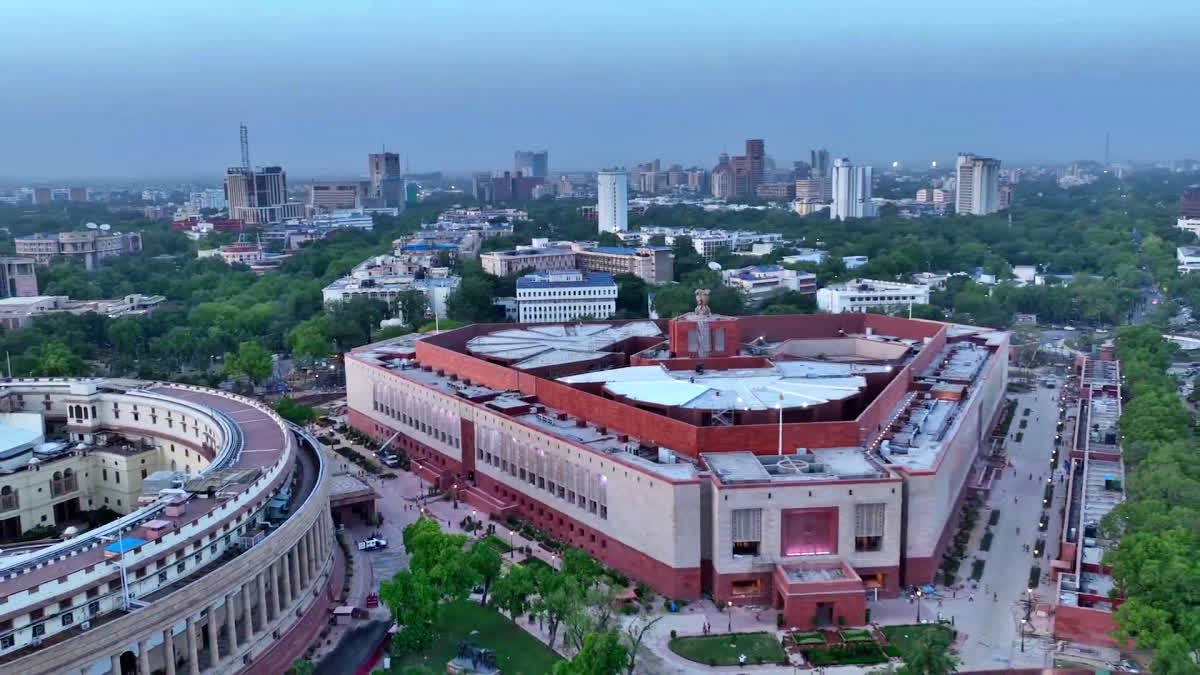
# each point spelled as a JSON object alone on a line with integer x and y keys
{"x": 57, "y": 475}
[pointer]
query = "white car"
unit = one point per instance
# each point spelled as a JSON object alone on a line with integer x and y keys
{"x": 372, "y": 544}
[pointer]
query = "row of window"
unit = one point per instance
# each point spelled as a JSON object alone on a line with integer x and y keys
{"x": 560, "y": 477}
{"x": 807, "y": 538}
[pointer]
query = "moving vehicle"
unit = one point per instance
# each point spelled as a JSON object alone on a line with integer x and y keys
{"x": 372, "y": 544}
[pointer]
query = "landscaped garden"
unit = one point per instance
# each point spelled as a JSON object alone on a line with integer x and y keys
{"x": 496, "y": 543}
{"x": 856, "y": 635}
{"x": 906, "y": 637}
{"x": 723, "y": 650}
{"x": 811, "y": 638}
{"x": 850, "y": 653}
{"x": 517, "y": 651}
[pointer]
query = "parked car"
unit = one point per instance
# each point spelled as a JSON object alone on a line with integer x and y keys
{"x": 372, "y": 544}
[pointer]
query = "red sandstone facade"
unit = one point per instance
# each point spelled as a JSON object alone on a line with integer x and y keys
{"x": 519, "y": 442}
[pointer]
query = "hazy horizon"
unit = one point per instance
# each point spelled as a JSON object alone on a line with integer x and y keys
{"x": 142, "y": 90}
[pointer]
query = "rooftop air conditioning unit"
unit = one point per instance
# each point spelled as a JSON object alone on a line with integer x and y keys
{"x": 85, "y": 625}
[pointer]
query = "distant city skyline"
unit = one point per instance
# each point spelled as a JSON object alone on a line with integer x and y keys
{"x": 89, "y": 94}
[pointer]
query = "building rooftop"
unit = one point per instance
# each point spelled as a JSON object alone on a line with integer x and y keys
{"x": 789, "y": 384}
{"x": 564, "y": 279}
{"x": 823, "y": 464}
{"x": 536, "y": 346}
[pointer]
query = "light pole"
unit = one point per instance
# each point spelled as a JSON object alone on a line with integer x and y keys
{"x": 120, "y": 542}
{"x": 919, "y": 594}
{"x": 780, "y": 407}
{"x": 511, "y": 548}
{"x": 1023, "y": 622}
{"x": 729, "y": 609}
{"x": 455, "y": 493}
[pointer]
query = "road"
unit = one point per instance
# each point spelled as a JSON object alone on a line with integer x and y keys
{"x": 992, "y": 626}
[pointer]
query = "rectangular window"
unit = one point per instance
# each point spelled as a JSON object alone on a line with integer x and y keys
{"x": 746, "y": 526}
{"x": 68, "y": 618}
{"x": 39, "y": 629}
{"x": 868, "y": 527}
{"x": 7, "y": 642}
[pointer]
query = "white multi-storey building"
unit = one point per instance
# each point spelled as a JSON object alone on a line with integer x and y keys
{"x": 612, "y": 200}
{"x": 759, "y": 282}
{"x": 565, "y": 295}
{"x": 861, "y": 295}
{"x": 1189, "y": 259}
{"x": 978, "y": 180}
{"x": 851, "y": 191}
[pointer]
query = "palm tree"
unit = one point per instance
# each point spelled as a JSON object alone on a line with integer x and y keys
{"x": 930, "y": 655}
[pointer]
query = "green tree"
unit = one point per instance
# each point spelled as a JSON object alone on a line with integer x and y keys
{"x": 931, "y": 654}
{"x": 411, "y": 307}
{"x": 55, "y": 359}
{"x": 310, "y": 339}
{"x": 294, "y": 412}
{"x": 582, "y": 567}
{"x": 602, "y": 654}
{"x": 251, "y": 360}
{"x": 512, "y": 592}
{"x": 302, "y": 667}
{"x": 558, "y": 597}
{"x": 127, "y": 336}
{"x": 471, "y": 302}
{"x": 486, "y": 563}
{"x": 413, "y": 604}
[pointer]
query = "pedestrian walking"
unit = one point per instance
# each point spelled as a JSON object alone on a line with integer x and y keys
{"x": 971, "y": 598}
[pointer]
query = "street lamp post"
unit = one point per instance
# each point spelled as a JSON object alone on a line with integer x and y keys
{"x": 919, "y": 594}
{"x": 729, "y": 609}
{"x": 1023, "y": 622}
{"x": 511, "y": 548}
{"x": 454, "y": 488}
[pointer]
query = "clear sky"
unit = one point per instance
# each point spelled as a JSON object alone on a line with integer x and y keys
{"x": 144, "y": 89}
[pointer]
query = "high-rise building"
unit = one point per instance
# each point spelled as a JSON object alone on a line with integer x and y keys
{"x": 258, "y": 197}
{"x": 481, "y": 186}
{"x": 815, "y": 190}
{"x": 77, "y": 194}
{"x": 978, "y": 180}
{"x": 851, "y": 191}
{"x": 612, "y": 200}
{"x": 697, "y": 180}
{"x": 819, "y": 164}
{"x": 386, "y": 179}
{"x": 514, "y": 188}
{"x": 1189, "y": 203}
{"x": 327, "y": 194}
{"x": 42, "y": 196}
{"x": 722, "y": 178}
{"x": 532, "y": 163}
{"x": 748, "y": 169}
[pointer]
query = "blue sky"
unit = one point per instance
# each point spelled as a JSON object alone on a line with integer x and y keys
{"x": 125, "y": 88}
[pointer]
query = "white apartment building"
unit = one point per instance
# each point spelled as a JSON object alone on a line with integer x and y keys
{"x": 759, "y": 282}
{"x": 612, "y": 200}
{"x": 1189, "y": 225}
{"x": 851, "y": 191}
{"x": 1189, "y": 259}
{"x": 853, "y": 262}
{"x": 864, "y": 295}
{"x": 565, "y": 295}
{"x": 978, "y": 180}
{"x": 805, "y": 255}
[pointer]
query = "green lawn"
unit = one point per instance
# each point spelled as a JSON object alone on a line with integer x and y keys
{"x": 496, "y": 543}
{"x": 517, "y": 652}
{"x": 903, "y": 636}
{"x": 535, "y": 563}
{"x": 856, "y": 635}
{"x": 723, "y": 650}
{"x": 856, "y": 653}
{"x": 813, "y": 637}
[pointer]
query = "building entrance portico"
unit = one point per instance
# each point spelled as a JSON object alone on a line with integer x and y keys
{"x": 820, "y": 594}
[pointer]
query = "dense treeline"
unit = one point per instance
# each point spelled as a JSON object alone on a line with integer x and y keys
{"x": 1156, "y": 564}
{"x": 1115, "y": 236}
